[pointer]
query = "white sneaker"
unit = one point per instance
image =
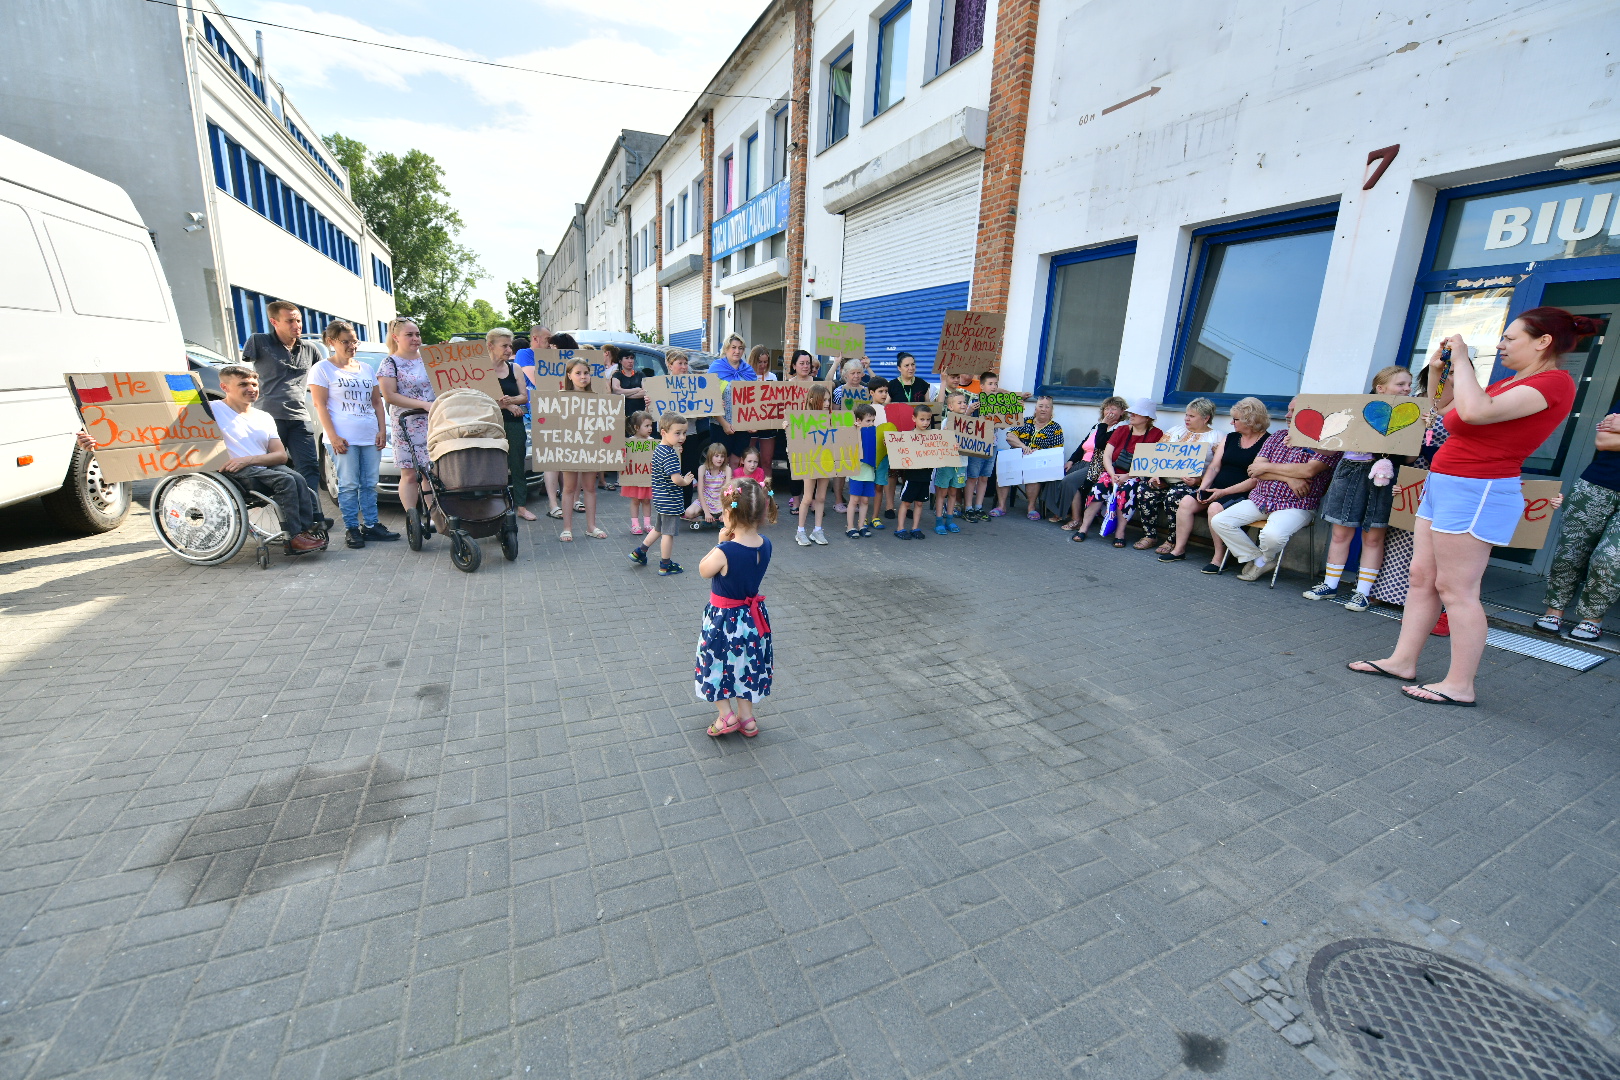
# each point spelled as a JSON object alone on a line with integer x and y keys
{"x": 1320, "y": 592}
{"x": 818, "y": 537}
{"x": 1358, "y": 602}
{"x": 804, "y": 541}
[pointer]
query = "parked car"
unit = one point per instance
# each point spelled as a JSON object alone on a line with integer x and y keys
{"x": 82, "y": 291}
{"x": 205, "y": 364}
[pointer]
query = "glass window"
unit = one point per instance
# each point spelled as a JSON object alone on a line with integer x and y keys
{"x": 751, "y": 168}
{"x": 1554, "y": 221}
{"x": 1085, "y": 319}
{"x": 1479, "y": 315}
{"x": 840, "y": 76}
{"x": 967, "y": 27}
{"x": 893, "y": 33}
{"x": 685, "y": 220}
{"x": 779, "y": 147}
{"x": 725, "y": 184}
{"x": 697, "y": 207}
{"x": 24, "y": 280}
{"x": 1254, "y": 311}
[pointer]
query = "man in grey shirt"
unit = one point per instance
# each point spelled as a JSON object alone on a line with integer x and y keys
{"x": 283, "y": 361}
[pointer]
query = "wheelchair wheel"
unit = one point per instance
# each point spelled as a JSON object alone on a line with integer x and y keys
{"x": 413, "y": 528}
{"x": 465, "y": 552}
{"x": 509, "y": 542}
{"x": 201, "y": 517}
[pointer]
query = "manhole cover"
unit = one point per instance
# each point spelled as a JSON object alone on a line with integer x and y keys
{"x": 1416, "y": 1015}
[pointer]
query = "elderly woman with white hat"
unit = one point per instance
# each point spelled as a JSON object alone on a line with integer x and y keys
{"x": 1139, "y": 428}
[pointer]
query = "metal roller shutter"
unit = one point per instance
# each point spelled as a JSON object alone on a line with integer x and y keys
{"x": 685, "y": 305}
{"x": 918, "y": 237}
{"x": 905, "y": 322}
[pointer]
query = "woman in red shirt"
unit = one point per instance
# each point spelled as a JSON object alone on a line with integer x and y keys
{"x": 1472, "y": 501}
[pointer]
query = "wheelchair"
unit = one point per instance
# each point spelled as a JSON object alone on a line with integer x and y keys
{"x": 205, "y": 519}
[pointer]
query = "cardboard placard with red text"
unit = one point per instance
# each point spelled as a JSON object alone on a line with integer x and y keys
{"x": 147, "y": 424}
{"x": 935, "y": 449}
{"x": 975, "y": 435}
{"x": 970, "y": 343}
{"x": 461, "y": 365}
{"x": 763, "y": 406}
{"x": 577, "y": 431}
{"x": 1532, "y": 529}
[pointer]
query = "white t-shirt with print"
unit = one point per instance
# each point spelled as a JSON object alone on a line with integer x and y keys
{"x": 348, "y": 399}
{"x": 247, "y": 433}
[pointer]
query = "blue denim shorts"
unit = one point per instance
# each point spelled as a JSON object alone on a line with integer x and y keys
{"x": 1488, "y": 510}
{"x": 948, "y": 476}
{"x": 980, "y": 466}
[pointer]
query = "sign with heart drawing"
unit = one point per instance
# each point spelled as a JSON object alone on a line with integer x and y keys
{"x": 1368, "y": 423}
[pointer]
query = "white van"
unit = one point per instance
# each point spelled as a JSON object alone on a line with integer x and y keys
{"x": 80, "y": 290}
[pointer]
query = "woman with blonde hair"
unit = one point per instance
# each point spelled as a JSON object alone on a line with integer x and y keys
{"x": 406, "y": 385}
{"x": 1225, "y": 481}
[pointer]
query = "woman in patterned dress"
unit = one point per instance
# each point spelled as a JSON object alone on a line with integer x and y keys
{"x": 406, "y": 385}
{"x": 734, "y": 654}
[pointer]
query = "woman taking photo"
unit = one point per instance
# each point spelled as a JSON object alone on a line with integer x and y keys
{"x": 1473, "y": 499}
{"x": 1225, "y": 481}
{"x": 406, "y": 385}
{"x": 514, "y": 396}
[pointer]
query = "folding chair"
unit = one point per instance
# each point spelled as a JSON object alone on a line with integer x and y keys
{"x": 1277, "y": 566}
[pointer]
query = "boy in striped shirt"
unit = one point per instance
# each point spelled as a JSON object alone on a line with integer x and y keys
{"x": 667, "y": 501}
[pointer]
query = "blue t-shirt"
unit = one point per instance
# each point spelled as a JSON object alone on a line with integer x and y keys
{"x": 1605, "y": 468}
{"x": 666, "y": 497}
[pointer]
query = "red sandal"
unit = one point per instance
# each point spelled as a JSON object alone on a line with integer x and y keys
{"x": 725, "y": 725}
{"x": 745, "y": 725}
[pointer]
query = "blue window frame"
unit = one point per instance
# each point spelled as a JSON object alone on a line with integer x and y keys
{"x": 727, "y": 193}
{"x": 252, "y": 310}
{"x": 382, "y": 332}
{"x": 751, "y": 165}
{"x": 894, "y": 34}
{"x": 840, "y": 85}
{"x": 1086, "y": 295}
{"x": 232, "y": 59}
{"x": 243, "y": 177}
{"x": 382, "y": 276}
{"x": 309, "y": 148}
{"x": 1247, "y": 322}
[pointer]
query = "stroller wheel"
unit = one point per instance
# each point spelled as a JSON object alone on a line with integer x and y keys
{"x": 413, "y": 528}
{"x": 465, "y": 552}
{"x": 509, "y": 543}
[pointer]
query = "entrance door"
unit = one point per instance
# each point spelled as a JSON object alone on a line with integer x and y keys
{"x": 761, "y": 320}
{"x": 1595, "y": 364}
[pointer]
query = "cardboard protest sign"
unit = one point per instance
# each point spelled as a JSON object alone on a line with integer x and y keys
{"x": 923, "y": 450}
{"x": 148, "y": 424}
{"x": 461, "y": 365}
{"x": 975, "y": 436}
{"x": 553, "y": 364}
{"x": 577, "y": 431}
{"x": 822, "y": 444}
{"x": 690, "y": 396}
{"x": 840, "y": 338}
{"x": 1369, "y": 423}
{"x": 900, "y": 416}
{"x": 1532, "y": 529}
{"x": 763, "y": 406}
{"x": 1003, "y": 408}
{"x": 970, "y": 343}
{"x": 637, "y": 469}
{"x": 851, "y": 396}
{"x": 1014, "y": 467}
{"x": 1170, "y": 458}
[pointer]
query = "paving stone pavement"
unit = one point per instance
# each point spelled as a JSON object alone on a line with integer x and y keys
{"x": 1016, "y": 807}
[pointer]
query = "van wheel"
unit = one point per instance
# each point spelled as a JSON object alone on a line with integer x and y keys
{"x": 87, "y": 504}
{"x": 328, "y": 469}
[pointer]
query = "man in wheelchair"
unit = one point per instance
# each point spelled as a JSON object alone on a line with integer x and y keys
{"x": 259, "y": 461}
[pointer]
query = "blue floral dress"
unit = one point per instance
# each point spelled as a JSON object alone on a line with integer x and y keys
{"x": 734, "y": 656}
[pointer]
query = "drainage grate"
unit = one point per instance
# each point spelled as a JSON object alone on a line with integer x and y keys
{"x": 1416, "y": 1015}
{"x": 1562, "y": 655}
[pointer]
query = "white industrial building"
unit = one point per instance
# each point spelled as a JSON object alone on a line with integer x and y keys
{"x": 244, "y": 202}
{"x": 1262, "y": 201}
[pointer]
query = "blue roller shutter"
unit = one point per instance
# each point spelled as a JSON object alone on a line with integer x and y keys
{"x": 905, "y": 322}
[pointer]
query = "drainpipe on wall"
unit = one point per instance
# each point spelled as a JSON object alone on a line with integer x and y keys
{"x": 706, "y": 148}
{"x": 658, "y": 254}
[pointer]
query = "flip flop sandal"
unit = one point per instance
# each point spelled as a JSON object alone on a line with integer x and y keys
{"x": 1143, "y": 544}
{"x": 1119, "y": 543}
{"x": 1586, "y": 631}
{"x": 1078, "y": 538}
{"x": 555, "y": 512}
{"x": 566, "y": 536}
{"x": 1069, "y": 526}
{"x": 748, "y": 728}
{"x": 725, "y": 725}
{"x": 598, "y": 533}
{"x": 1164, "y": 548}
{"x": 1549, "y": 624}
{"x": 1376, "y": 670}
{"x": 1438, "y": 699}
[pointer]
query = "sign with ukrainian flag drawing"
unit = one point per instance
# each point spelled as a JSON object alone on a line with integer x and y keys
{"x": 147, "y": 424}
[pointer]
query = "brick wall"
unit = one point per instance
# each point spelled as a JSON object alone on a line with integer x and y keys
{"x": 798, "y": 156}
{"x": 1010, "y": 76}
{"x": 658, "y": 253}
{"x": 706, "y": 148}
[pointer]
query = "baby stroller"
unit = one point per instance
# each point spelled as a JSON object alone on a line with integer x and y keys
{"x": 466, "y": 492}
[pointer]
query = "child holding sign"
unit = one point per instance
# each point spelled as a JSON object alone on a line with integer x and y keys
{"x": 883, "y": 490}
{"x": 861, "y": 485}
{"x": 815, "y": 490}
{"x": 641, "y": 427}
{"x": 914, "y": 485}
{"x": 734, "y": 656}
{"x": 667, "y": 501}
{"x": 949, "y": 480}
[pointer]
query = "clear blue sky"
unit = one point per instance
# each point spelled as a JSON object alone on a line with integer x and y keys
{"x": 518, "y": 150}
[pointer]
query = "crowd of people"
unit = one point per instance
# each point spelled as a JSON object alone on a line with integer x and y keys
{"x": 1474, "y": 447}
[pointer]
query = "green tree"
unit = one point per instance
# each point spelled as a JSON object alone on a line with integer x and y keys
{"x": 523, "y": 301}
{"x": 405, "y": 202}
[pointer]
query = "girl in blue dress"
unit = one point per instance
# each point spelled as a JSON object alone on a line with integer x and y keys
{"x": 734, "y": 656}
